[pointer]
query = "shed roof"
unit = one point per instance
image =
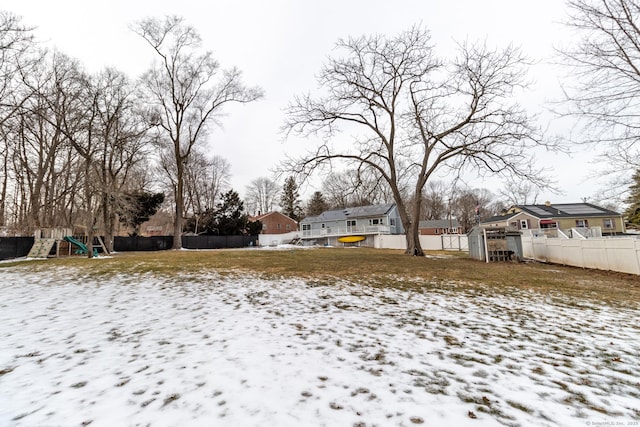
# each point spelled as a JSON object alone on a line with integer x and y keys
{"x": 349, "y": 213}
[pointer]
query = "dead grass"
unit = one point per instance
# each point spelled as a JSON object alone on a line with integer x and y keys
{"x": 376, "y": 267}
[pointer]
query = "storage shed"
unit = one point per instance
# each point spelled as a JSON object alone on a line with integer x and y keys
{"x": 495, "y": 244}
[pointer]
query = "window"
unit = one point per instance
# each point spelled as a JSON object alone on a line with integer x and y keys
{"x": 279, "y": 226}
{"x": 322, "y": 226}
{"x": 375, "y": 221}
{"x": 264, "y": 226}
{"x": 524, "y": 224}
{"x": 582, "y": 223}
{"x": 392, "y": 221}
{"x": 351, "y": 223}
{"x": 608, "y": 223}
{"x": 288, "y": 226}
{"x": 306, "y": 227}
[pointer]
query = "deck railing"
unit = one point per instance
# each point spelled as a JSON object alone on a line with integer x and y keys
{"x": 346, "y": 231}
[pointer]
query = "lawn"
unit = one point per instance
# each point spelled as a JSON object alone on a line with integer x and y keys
{"x": 297, "y": 337}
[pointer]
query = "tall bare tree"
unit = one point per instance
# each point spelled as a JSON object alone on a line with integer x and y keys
{"x": 187, "y": 90}
{"x": 411, "y": 115}
{"x": 46, "y": 164}
{"x": 74, "y": 114}
{"x": 435, "y": 196}
{"x": 262, "y": 195}
{"x": 121, "y": 143}
{"x": 16, "y": 39}
{"x": 206, "y": 179}
{"x": 468, "y": 206}
{"x": 355, "y": 187}
{"x": 517, "y": 192}
{"x": 604, "y": 86}
{"x": 16, "y": 42}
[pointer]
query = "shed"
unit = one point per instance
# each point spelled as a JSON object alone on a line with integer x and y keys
{"x": 495, "y": 244}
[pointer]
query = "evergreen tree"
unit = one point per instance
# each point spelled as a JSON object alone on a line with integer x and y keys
{"x": 138, "y": 207}
{"x": 317, "y": 204}
{"x": 290, "y": 200}
{"x": 229, "y": 218}
{"x": 632, "y": 213}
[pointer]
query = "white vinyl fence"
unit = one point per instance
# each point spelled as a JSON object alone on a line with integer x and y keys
{"x": 278, "y": 239}
{"x": 615, "y": 254}
{"x": 455, "y": 242}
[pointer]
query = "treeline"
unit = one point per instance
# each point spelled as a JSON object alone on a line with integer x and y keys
{"x": 82, "y": 150}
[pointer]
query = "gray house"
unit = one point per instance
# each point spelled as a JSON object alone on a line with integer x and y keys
{"x": 351, "y": 226}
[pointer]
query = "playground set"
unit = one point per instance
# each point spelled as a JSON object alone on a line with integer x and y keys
{"x": 60, "y": 242}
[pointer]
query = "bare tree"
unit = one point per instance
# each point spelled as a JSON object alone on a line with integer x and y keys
{"x": 517, "y": 192}
{"x": 604, "y": 87}
{"x": 45, "y": 164}
{"x": 205, "y": 181}
{"x": 16, "y": 40}
{"x": 355, "y": 187}
{"x": 435, "y": 196}
{"x": 75, "y": 115}
{"x": 468, "y": 205}
{"x": 262, "y": 195}
{"x": 187, "y": 90}
{"x": 413, "y": 115}
{"x": 121, "y": 143}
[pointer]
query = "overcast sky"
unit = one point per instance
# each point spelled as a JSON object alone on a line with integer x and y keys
{"x": 281, "y": 45}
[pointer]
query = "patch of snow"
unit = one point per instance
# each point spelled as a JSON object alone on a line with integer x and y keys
{"x": 212, "y": 350}
{"x": 6, "y": 261}
{"x": 282, "y": 247}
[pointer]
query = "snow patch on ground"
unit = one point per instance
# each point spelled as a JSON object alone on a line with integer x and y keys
{"x": 138, "y": 350}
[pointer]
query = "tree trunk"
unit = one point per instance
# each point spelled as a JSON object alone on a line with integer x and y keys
{"x": 413, "y": 234}
{"x": 411, "y": 228}
{"x": 90, "y": 235}
{"x": 179, "y": 196}
{"x": 3, "y": 192}
{"x": 109, "y": 221}
{"x": 89, "y": 206}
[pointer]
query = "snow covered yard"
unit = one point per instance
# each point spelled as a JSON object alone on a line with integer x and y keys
{"x": 217, "y": 350}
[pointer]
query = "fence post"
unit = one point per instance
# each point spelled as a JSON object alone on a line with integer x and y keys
{"x": 606, "y": 254}
{"x": 636, "y": 247}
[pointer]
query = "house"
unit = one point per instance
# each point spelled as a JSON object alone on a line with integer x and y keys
{"x": 276, "y": 223}
{"x": 563, "y": 216}
{"x": 355, "y": 225}
{"x": 439, "y": 226}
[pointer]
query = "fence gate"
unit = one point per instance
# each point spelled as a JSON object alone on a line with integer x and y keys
{"x": 454, "y": 242}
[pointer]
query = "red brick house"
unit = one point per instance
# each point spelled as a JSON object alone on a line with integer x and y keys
{"x": 440, "y": 226}
{"x": 275, "y": 223}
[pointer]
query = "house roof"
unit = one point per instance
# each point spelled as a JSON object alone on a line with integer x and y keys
{"x": 499, "y": 218}
{"x": 264, "y": 215}
{"x": 566, "y": 210}
{"x": 348, "y": 213}
{"x": 439, "y": 223}
{"x": 558, "y": 210}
